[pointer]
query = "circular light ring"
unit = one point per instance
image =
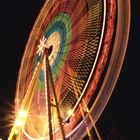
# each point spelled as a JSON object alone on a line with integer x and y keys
{"x": 110, "y": 25}
{"x": 80, "y": 46}
{"x": 79, "y": 58}
{"x": 78, "y": 26}
{"x": 62, "y": 25}
{"x": 114, "y": 67}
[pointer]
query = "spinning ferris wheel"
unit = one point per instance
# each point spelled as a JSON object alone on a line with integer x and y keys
{"x": 69, "y": 68}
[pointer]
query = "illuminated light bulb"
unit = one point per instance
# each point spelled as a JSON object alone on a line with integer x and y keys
{"x": 86, "y": 109}
{"x": 19, "y": 122}
{"x": 22, "y": 114}
{"x": 21, "y": 118}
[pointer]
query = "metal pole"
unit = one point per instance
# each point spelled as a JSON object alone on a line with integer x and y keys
{"x": 48, "y": 98}
{"x": 57, "y": 107}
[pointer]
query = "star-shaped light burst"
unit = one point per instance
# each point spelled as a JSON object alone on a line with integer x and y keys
{"x": 41, "y": 46}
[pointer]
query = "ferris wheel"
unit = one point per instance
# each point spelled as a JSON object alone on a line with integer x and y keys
{"x": 69, "y": 68}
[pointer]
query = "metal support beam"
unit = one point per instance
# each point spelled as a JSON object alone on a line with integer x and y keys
{"x": 48, "y": 98}
{"x": 48, "y": 71}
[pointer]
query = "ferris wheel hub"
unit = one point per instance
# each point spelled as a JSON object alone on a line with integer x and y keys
{"x": 50, "y": 50}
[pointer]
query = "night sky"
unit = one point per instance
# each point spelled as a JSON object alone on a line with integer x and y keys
{"x": 121, "y": 116}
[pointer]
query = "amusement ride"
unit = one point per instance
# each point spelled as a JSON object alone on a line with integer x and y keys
{"x": 69, "y": 68}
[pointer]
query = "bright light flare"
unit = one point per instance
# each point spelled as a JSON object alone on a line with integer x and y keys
{"x": 19, "y": 123}
{"x": 21, "y": 118}
{"x": 22, "y": 114}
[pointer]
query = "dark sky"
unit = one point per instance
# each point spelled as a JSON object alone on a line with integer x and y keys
{"x": 16, "y": 21}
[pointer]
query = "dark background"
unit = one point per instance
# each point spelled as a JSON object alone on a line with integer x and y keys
{"x": 120, "y": 119}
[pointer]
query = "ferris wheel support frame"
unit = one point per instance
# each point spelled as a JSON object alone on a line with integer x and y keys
{"x": 49, "y": 75}
{"x": 26, "y": 106}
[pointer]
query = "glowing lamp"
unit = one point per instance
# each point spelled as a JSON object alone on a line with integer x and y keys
{"x": 19, "y": 122}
